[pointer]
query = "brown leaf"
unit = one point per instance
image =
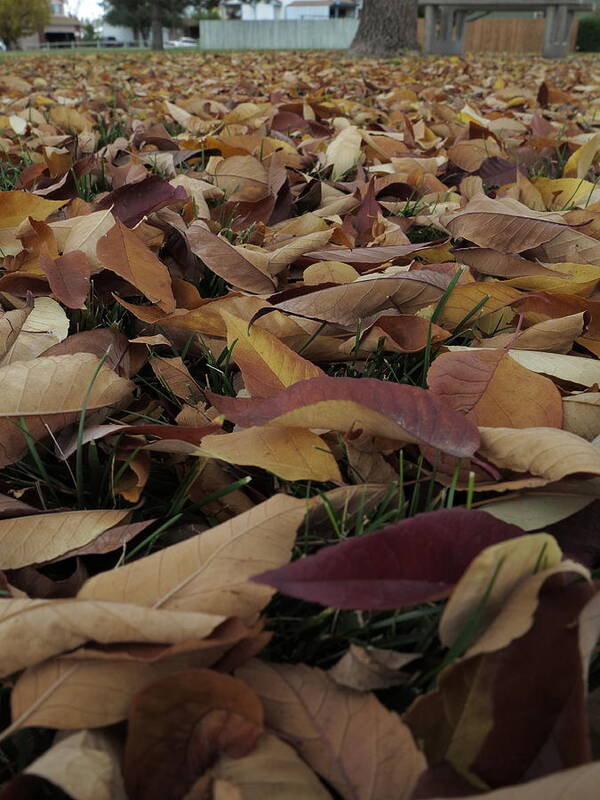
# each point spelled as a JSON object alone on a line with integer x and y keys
{"x": 180, "y": 725}
{"x": 124, "y": 253}
{"x": 481, "y": 384}
{"x": 68, "y": 277}
{"x": 504, "y": 224}
{"x": 224, "y": 260}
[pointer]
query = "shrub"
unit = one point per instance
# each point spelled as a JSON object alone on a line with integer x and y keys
{"x": 588, "y": 35}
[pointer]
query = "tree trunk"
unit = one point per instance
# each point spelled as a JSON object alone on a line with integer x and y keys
{"x": 386, "y": 28}
{"x": 157, "y": 34}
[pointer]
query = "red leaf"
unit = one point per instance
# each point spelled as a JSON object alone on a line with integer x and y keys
{"x": 415, "y": 561}
{"x": 378, "y": 408}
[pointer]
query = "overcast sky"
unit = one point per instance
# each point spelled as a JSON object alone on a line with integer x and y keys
{"x": 85, "y": 9}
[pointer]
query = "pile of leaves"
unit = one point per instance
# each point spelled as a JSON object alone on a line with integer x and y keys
{"x": 299, "y": 427}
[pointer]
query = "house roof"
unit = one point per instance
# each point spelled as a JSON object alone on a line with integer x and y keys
{"x": 311, "y": 3}
{"x": 322, "y": 3}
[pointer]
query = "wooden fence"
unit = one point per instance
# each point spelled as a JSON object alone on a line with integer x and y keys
{"x": 496, "y": 35}
{"x": 509, "y": 35}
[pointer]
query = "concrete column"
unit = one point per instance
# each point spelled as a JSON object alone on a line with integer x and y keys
{"x": 429, "y": 29}
{"x": 556, "y": 31}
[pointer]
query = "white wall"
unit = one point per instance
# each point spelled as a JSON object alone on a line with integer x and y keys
{"x": 258, "y": 11}
{"x": 306, "y": 12}
{"x": 120, "y": 32}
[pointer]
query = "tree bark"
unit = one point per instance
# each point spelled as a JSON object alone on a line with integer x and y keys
{"x": 157, "y": 34}
{"x": 386, "y": 28}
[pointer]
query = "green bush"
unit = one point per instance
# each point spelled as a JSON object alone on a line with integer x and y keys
{"x": 588, "y": 35}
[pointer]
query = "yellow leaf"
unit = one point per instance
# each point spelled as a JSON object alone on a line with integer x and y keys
{"x": 293, "y": 454}
{"x": 267, "y": 365}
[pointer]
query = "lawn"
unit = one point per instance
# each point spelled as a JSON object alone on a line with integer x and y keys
{"x": 299, "y": 426}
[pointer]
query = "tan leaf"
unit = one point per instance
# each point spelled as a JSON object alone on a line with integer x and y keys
{"x": 11, "y": 323}
{"x": 84, "y": 691}
{"x": 535, "y": 512}
{"x": 43, "y": 537}
{"x": 34, "y": 630}
{"x": 242, "y": 178}
{"x": 503, "y": 224}
{"x": 370, "y": 668}
{"x": 83, "y": 234}
{"x": 174, "y": 374}
{"x": 344, "y": 151}
{"x": 494, "y": 574}
{"x": 551, "y": 335}
{"x": 50, "y": 393}
{"x": 45, "y": 326}
{"x": 273, "y": 769}
{"x": 267, "y": 365}
{"x": 224, "y": 260}
{"x": 549, "y": 453}
{"x": 478, "y": 383}
{"x": 327, "y": 724}
{"x": 582, "y": 414}
{"x": 84, "y": 764}
{"x": 579, "y": 782}
{"x": 210, "y": 572}
{"x": 576, "y": 369}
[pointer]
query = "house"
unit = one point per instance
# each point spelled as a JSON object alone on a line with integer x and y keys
{"x": 63, "y": 28}
{"x": 288, "y": 9}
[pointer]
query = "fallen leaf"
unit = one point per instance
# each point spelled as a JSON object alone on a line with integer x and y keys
{"x": 414, "y": 561}
{"x": 327, "y": 722}
{"x": 267, "y": 365}
{"x": 293, "y": 454}
{"x": 210, "y": 572}
{"x": 180, "y": 725}
{"x": 477, "y": 384}
{"x": 43, "y": 537}
{"x": 358, "y": 405}
{"x": 123, "y": 252}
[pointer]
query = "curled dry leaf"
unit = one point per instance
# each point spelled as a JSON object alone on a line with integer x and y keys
{"x": 179, "y": 726}
{"x": 94, "y": 687}
{"x": 266, "y": 364}
{"x": 84, "y": 764}
{"x": 346, "y": 304}
{"x": 125, "y": 254}
{"x": 224, "y": 260}
{"x": 34, "y": 630}
{"x": 505, "y": 225}
{"x": 494, "y": 573}
{"x": 370, "y": 668}
{"x": 469, "y": 721}
{"x": 548, "y": 453}
{"x": 272, "y": 767}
